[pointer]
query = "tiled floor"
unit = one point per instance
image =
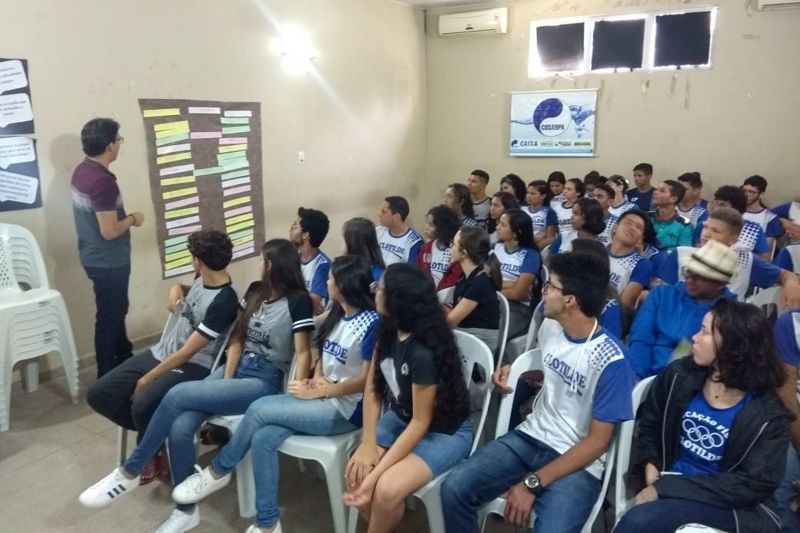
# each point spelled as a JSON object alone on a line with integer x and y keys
{"x": 55, "y": 449}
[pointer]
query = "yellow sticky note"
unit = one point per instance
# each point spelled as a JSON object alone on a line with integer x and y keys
{"x": 242, "y": 240}
{"x": 177, "y": 255}
{"x": 173, "y": 157}
{"x": 177, "y": 181}
{"x": 179, "y": 192}
{"x": 150, "y": 113}
{"x": 177, "y": 213}
{"x": 241, "y": 225}
{"x": 240, "y": 218}
{"x": 177, "y": 125}
{"x": 236, "y": 201}
{"x": 232, "y": 148}
{"x": 163, "y": 134}
{"x": 178, "y": 262}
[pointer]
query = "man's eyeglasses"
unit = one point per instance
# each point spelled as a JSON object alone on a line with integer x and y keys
{"x": 547, "y": 286}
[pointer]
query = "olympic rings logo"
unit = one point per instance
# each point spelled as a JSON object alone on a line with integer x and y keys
{"x": 702, "y": 435}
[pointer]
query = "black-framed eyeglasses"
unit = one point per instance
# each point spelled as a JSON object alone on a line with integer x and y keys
{"x": 547, "y": 286}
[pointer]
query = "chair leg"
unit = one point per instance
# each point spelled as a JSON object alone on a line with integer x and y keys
{"x": 30, "y": 374}
{"x": 246, "y": 487}
{"x": 433, "y": 506}
{"x": 334, "y": 476}
{"x": 122, "y": 444}
{"x": 352, "y": 520}
{"x": 5, "y": 393}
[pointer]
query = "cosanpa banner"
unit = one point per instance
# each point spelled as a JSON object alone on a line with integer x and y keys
{"x": 553, "y": 123}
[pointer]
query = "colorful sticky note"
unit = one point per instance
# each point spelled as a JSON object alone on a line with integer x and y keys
{"x": 206, "y": 134}
{"x": 173, "y": 149}
{"x": 176, "y": 240}
{"x": 236, "y": 190}
{"x": 235, "y": 164}
{"x": 166, "y": 182}
{"x": 207, "y": 171}
{"x": 182, "y": 203}
{"x": 236, "y": 201}
{"x": 204, "y": 110}
{"x": 240, "y": 218}
{"x": 234, "y": 120}
{"x": 172, "y": 139}
{"x": 182, "y": 222}
{"x": 233, "y": 140}
{"x": 232, "y": 148}
{"x": 236, "y": 129}
{"x": 182, "y": 125}
{"x": 241, "y": 234}
{"x": 168, "y": 171}
{"x": 150, "y": 113}
{"x": 177, "y": 263}
{"x": 175, "y": 248}
{"x": 178, "y": 271}
{"x": 234, "y": 183}
{"x": 238, "y": 113}
{"x": 183, "y": 230}
{"x": 171, "y": 133}
{"x": 237, "y": 174}
{"x": 173, "y": 157}
{"x": 177, "y": 193}
{"x": 232, "y": 156}
{"x": 246, "y": 224}
{"x": 242, "y": 253}
{"x": 181, "y": 212}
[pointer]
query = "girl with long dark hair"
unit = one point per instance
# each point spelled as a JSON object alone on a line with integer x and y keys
{"x": 545, "y": 223}
{"x": 501, "y": 202}
{"x": 327, "y": 404}
{"x": 456, "y": 197}
{"x": 573, "y": 190}
{"x": 360, "y": 239}
{"x": 434, "y": 257}
{"x": 273, "y": 328}
{"x": 713, "y": 432}
{"x": 417, "y": 370}
{"x": 513, "y": 184}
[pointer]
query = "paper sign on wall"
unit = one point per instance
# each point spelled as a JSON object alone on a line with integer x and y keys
{"x": 19, "y": 174}
{"x": 16, "y": 113}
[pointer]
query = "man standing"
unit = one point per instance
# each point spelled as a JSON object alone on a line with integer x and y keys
{"x": 642, "y": 195}
{"x": 103, "y": 239}
{"x": 307, "y": 233}
{"x": 399, "y": 243}
{"x": 476, "y": 183}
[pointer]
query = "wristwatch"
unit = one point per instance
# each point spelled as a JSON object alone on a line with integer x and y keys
{"x": 533, "y": 483}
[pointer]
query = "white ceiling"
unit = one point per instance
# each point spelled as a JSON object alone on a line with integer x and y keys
{"x": 433, "y": 3}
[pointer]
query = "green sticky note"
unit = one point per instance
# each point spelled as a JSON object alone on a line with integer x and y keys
{"x": 180, "y": 239}
{"x": 207, "y": 171}
{"x": 172, "y": 139}
{"x": 237, "y": 174}
{"x": 236, "y": 129}
{"x": 230, "y": 156}
{"x": 234, "y": 120}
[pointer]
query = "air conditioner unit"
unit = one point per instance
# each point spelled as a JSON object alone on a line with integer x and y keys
{"x": 766, "y": 5}
{"x": 485, "y": 22}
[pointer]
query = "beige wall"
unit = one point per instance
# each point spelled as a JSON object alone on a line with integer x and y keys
{"x": 361, "y": 123}
{"x": 739, "y": 118}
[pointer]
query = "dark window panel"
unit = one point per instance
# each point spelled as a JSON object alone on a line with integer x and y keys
{"x": 683, "y": 39}
{"x": 618, "y": 44}
{"x": 560, "y": 47}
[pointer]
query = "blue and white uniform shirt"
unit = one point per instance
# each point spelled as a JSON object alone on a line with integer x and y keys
{"x": 767, "y": 220}
{"x": 565, "y": 229}
{"x": 695, "y": 214}
{"x": 541, "y": 218}
{"x": 315, "y": 273}
{"x": 398, "y": 248}
{"x": 520, "y": 261}
{"x": 628, "y": 268}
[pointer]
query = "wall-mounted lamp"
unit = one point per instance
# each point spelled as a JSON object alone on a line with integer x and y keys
{"x": 295, "y": 49}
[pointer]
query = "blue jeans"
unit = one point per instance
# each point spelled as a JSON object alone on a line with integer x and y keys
{"x": 111, "y": 344}
{"x": 267, "y": 423}
{"x": 187, "y": 405}
{"x": 563, "y": 506}
{"x": 667, "y": 515}
{"x": 786, "y": 492}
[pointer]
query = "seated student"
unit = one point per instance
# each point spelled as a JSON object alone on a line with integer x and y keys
{"x": 630, "y": 271}
{"x": 692, "y": 207}
{"x": 434, "y": 256}
{"x": 476, "y": 184}
{"x": 671, "y": 229}
{"x": 327, "y": 404}
{"x": 129, "y": 394}
{"x": 417, "y": 370}
{"x": 399, "y": 243}
{"x": 787, "y": 339}
{"x": 752, "y": 237}
{"x": 545, "y": 223}
{"x": 360, "y": 239}
{"x": 789, "y": 258}
{"x": 553, "y": 462}
{"x": 456, "y": 197}
{"x": 713, "y": 431}
{"x": 513, "y": 184}
{"x": 672, "y": 313}
{"x": 723, "y": 225}
{"x": 501, "y": 202}
{"x": 573, "y": 190}
{"x": 273, "y": 326}
{"x": 587, "y": 223}
{"x": 556, "y": 182}
{"x": 642, "y": 195}
{"x": 520, "y": 264}
{"x": 604, "y": 195}
{"x": 754, "y": 187}
{"x": 475, "y": 308}
{"x": 619, "y": 203}
{"x": 591, "y": 180}
{"x": 307, "y": 233}
{"x": 789, "y": 213}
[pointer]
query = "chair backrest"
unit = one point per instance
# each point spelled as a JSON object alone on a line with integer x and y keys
{"x": 20, "y": 254}
{"x": 502, "y": 333}
{"x": 545, "y": 274}
{"x": 768, "y": 300}
{"x": 475, "y": 352}
{"x": 222, "y": 347}
{"x": 529, "y": 360}
{"x": 446, "y": 295}
{"x": 537, "y": 317}
{"x": 624, "y": 451}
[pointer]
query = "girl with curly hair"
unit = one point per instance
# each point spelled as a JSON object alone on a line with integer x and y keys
{"x": 456, "y": 197}
{"x": 417, "y": 371}
{"x": 713, "y": 432}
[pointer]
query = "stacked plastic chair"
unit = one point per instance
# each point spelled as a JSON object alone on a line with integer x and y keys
{"x": 33, "y": 317}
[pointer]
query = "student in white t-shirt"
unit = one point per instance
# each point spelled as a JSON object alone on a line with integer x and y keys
{"x": 456, "y": 197}
{"x": 754, "y": 187}
{"x": 307, "y": 232}
{"x": 520, "y": 264}
{"x": 399, "y": 243}
{"x": 329, "y": 403}
{"x": 573, "y": 190}
{"x": 631, "y": 272}
{"x": 553, "y": 462}
{"x": 501, "y": 202}
{"x": 545, "y": 224}
{"x": 555, "y": 183}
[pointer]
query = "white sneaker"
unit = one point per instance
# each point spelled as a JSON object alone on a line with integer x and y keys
{"x": 109, "y": 489}
{"x": 197, "y": 486}
{"x": 179, "y": 521}
{"x": 275, "y": 529}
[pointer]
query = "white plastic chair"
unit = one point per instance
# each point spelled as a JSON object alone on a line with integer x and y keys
{"x": 768, "y": 300}
{"x": 446, "y": 295}
{"x": 530, "y": 341}
{"x": 33, "y": 322}
{"x": 621, "y": 501}
{"x": 532, "y": 360}
{"x": 473, "y": 352}
{"x": 502, "y": 332}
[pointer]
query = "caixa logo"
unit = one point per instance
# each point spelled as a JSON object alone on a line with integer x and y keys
{"x": 551, "y": 117}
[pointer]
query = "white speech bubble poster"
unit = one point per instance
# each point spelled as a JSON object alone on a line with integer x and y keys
{"x": 16, "y": 113}
{"x": 19, "y": 174}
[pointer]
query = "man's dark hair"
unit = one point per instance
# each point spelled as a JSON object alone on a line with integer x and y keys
{"x": 398, "y": 205}
{"x": 212, "y": 247}
{"x": 675, "y": 189}
{"x": 482, "y": 174}
{"x": 649, "y": 233}
{"x": 647, "y": 168}
{"x": 593, "y": 220}
{"x": 692, "y": 179}
{"x": 733, "y": 195}
{"x": 580, "y": 188}
{"x": 558, "y": 176}
{"x": 97, "y": 134}
{"x": 759, "y": 182}
{"x": 314, "y": 222}
{"x": 594, "y": 178}
{"x": 585, "y": 277}
{"x": 606, "y": 188}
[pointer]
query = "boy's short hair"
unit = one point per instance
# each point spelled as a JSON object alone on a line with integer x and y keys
{"x": 692, "y": 179}
{"x": 759, "y": 182}
{"x": 214, "y": 248}
{"x": 97, "y": 134}
{"x": 675, "y": 189}
{"x": 730, "y": 217}
{"x": 647, "y": 168}
{"x": 732, "y": 195}
{"x": 398, "y": 205}
{"x": 482, "y": 174}
{"x": 585, "y": 277}
{"x": 314, "y": 222}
